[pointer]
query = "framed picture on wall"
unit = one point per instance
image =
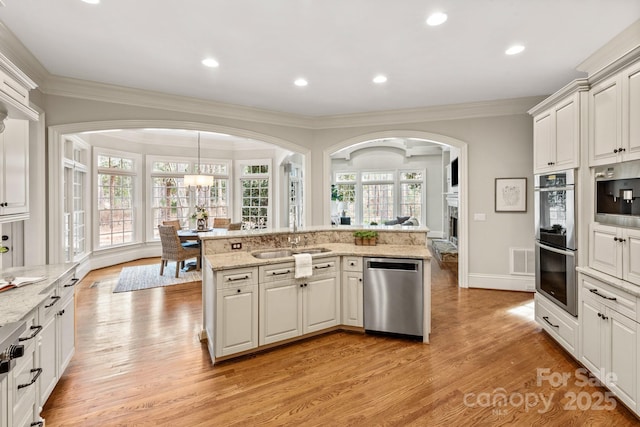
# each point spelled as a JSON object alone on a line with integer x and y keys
{"x": 511, "y": 195}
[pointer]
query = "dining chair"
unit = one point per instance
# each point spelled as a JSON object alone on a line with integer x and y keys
{"x": 174, "y": 222}
{"x": 235, "y": 226}
{"x": 173, "y": 250}
{"x": 221, "y": 222}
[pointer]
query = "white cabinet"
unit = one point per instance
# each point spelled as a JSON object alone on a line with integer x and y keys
{"x": 292, "y": 307}
{"x": 556, "y": 136}
{"x": 562, "y": 326}
{"x": 609, "y": 337}
{"x": 614, "y": 108}
{"x": 230, "y": 298}
{"x": 352, "y": 292}
{"x": 14, "y": 173}
{"x": 615, "y": 251}
{"x": 56, "y": 344}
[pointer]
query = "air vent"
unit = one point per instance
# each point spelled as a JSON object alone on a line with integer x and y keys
{"x": 522, "y": 261}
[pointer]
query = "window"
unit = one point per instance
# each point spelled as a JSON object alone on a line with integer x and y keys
{"x": 116, "y": 178}
{"x": 255, "y": 196}
{"x": 171, "y": 200}
{"x": 379, "y": 196}
{"x": 75, "y": 199}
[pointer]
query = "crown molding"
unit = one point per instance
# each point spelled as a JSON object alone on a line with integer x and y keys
{"x": 502, "y": 107}
{"x": 614, "y": 49}
{"x": 21, "y": 57}
{"x": 578, "y": 85}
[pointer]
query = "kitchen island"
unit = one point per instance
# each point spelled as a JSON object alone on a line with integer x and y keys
{"x": 252, "y": 303}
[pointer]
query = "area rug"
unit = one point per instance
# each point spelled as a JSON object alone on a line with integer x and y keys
{"x": 148, "y": 276}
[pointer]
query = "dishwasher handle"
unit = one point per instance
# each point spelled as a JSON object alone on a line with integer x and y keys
{"x": 386, "y": 265}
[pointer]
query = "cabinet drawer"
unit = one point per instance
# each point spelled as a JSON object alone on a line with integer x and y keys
{"x": 67, "y": 283}
{"x": 352, "y": 263}
{"x": 608, "y": 295}
{"x": 30, "y": 336}
{"x": 237, "y": 277}
{"x": 48, "y": 308}
{"x": 277, "y": 272}
{"x": 560, "y": 325}
{"x": 325, "y": 266}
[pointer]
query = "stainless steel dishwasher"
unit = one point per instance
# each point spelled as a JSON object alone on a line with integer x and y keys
{"x": 393, "y": 296}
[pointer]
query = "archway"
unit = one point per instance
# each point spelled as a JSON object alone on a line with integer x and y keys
{"x": 433, "y": 138}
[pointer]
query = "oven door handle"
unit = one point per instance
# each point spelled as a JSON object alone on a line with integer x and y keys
{"x": 556, "y": 250}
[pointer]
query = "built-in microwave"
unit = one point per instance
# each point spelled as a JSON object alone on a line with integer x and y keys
{"x": 618, "y": 194}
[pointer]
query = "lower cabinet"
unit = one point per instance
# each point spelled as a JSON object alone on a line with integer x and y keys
{"x": 562, "y": 326}
{"x": 237, "y": 325}
{"x": 352, "y": 292}
{"x": 609, "y": 338}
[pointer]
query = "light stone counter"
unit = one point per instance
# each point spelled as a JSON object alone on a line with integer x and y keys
{"x": 16, "y": 303}
{"x": 238, "y": 259}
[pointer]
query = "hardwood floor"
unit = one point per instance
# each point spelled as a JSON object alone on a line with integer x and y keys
{"x": 138, "y": 362}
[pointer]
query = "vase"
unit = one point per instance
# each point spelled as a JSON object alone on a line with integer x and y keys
{"x": 202, "y": 224}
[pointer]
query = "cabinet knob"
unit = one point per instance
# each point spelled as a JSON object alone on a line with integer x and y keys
{"x": 301, "y": 285}
{"x": 360, "y": 280}
{"x": 239, "y": 290}
{"x": 615, "y": 150}
{"x": 620, "y": 150}
{"x": 61, "y": 312}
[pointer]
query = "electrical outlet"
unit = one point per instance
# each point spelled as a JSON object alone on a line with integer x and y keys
{"x": 236, "y": 246}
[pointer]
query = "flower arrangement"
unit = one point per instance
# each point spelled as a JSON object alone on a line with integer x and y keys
{"x": 200, "y": 213}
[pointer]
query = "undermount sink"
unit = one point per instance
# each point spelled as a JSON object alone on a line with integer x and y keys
{"x": 282, "y": 253}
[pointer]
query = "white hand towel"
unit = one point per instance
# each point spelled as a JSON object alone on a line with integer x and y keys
{"x": 303, "y": 265}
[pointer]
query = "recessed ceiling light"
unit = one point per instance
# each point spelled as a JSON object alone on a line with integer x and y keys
{"x": 301, "y": 82}
{"x": 380, "y": 78}
{"x": 515, "y": 49}
{"x": 91, "y": 1}
{"x": 436, "y": 19}
{"x": 210, "y": 62}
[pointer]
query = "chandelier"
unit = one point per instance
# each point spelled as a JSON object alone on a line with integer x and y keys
{"x": 198, "y": 180}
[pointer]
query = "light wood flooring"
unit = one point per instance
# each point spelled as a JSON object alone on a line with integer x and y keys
{"x": 139, "y": 362}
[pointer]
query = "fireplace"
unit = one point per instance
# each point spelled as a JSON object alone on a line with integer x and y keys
{"x": 453, "y": 224}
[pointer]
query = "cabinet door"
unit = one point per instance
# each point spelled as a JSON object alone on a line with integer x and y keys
{"x": 15, "y": 167}
{"x": 352, "y": 298}
{"x": 605, "y": 252}
{"x": 605, "y": 125}
{"x": 631, "y": 256}
{"x": 543, "y": 131}
{"x": 47, "y": 358}
{"x": 321, "y": 304}
{"x": 591, "y": 335}
{"x": 280, "y": 311}
{"x": 237, "y": 324}
{"x": 631, "y": 112}
{"x": 24, "y": 390}
{"x": 66, "y": 333}
{"x": 623, "y": 365}
{"x": 567, "y": 132}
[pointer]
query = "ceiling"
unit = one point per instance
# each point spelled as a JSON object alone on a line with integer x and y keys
{"x": 262, "y": 46}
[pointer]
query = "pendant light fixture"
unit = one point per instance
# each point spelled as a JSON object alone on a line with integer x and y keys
{"x": 198, "y": 179}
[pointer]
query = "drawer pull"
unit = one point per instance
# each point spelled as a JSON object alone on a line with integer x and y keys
{"x": 233, "y": 279}
{"x": 72, "y": 283}
{"x": 319, "y": 267}
{"x": 37, "y": 372}
{"x": 55, "y": 299}
{"x": 546, "y": 319}
{"x": 36, "y": 330}
{"x": 280, "y": 272}
{"x": 595, "y": 291}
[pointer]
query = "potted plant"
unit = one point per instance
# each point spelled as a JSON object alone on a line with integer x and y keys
{"x": 365, "y": 237}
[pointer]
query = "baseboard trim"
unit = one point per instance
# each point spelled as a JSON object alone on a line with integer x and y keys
{"x": 502, "y": 282}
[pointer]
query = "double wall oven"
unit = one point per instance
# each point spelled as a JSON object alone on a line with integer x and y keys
{"x": 555, "y": 223}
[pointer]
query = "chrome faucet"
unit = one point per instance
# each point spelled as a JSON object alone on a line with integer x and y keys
{"x": 293, "y": 241}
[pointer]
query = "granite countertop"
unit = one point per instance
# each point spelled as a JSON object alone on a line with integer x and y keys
{"x": 229, "y": 260}
{"x": 218, "y": 233}
{"x": 16, "y": 303}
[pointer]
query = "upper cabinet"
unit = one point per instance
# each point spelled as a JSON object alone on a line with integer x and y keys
{"x": 14, "y": 176}
{"x": 556, "y": 129}
{"x": 614, "y": 108}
